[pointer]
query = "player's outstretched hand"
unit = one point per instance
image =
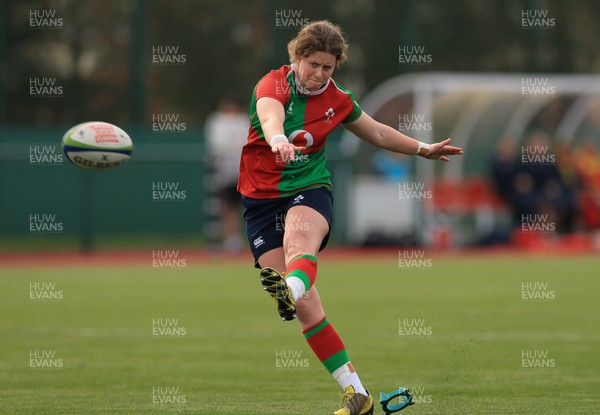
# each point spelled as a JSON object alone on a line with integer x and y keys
{"x": 439, "y": 151}
{"x": 285, "y": 152}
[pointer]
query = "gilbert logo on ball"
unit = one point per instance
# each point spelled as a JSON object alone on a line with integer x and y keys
{"x": 97, "y": 145}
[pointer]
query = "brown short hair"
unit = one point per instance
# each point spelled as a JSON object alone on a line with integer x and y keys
{"x": 320, "y": 36}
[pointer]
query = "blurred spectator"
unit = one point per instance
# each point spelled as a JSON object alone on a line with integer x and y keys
{"x": 515, "y": 184}
{"x": 565, "y": 163}
{"x": 531, "y": 182}
{"x": 504, "y": 167}
{"x": 226, "y": 134}
{"x": 587, "y": 165}
{"x": 553, "y": 197}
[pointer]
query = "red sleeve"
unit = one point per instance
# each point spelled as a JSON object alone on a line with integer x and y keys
{"x": 274, "y": 85}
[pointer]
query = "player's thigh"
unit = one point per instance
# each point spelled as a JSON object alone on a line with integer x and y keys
{"x": 274, "y": 259}
{"x": 264, "y": 231}
{"x": 305, "y": 229}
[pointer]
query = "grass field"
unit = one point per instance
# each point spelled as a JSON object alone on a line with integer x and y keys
{"x": 466, "y": 358}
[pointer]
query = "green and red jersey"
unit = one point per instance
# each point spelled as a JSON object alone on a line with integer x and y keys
{"x": 309, "y": 118}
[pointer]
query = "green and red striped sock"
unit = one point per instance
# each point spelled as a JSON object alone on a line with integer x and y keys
{"x": 301, "y": 274}
{"x": 330, "y": 350}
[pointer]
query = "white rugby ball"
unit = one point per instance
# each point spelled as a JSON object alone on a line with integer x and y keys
{"x": 97, "y": 145}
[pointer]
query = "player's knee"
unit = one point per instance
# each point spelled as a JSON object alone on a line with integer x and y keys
{"x": 294, "y": 246}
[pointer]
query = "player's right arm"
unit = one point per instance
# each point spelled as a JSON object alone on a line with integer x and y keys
{"x": 271, "y": 115}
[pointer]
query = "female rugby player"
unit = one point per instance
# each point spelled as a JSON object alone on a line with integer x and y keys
{"x": 286, "y": 188}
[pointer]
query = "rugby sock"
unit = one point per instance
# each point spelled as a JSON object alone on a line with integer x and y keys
{"x": 330, "y": 350}
{"x": 301, "y": 274}
{"x": 346, "y": 375}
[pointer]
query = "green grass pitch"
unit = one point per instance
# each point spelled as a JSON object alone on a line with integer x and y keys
{"x": 458, "y": 333}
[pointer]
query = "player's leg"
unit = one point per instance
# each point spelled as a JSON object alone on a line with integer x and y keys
{"x": 265, "y": 236}
{"x": 309, "y": 309}
{"x": 305, "y": 230}
{"x": 268, "y": 253}
{"x": 273, "y": 282}
{"x": 273, "y": 258}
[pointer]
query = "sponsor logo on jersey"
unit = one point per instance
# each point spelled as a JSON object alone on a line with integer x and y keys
{"x": 302, "y": 138}
{"x": 258, "y": 242}
{"x": 298, "y": 199}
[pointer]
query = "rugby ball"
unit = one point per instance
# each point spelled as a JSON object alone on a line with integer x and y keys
{"x": 97, "y": 145}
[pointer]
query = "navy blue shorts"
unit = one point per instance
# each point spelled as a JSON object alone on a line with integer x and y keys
{"x": 265, "y": 218}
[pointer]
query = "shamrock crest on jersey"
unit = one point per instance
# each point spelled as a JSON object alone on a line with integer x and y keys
{"x": 329, "y": 115}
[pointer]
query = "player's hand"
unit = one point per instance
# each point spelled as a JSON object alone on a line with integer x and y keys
{"x": 285, "y": 152}
{"x": 439, "y": 151}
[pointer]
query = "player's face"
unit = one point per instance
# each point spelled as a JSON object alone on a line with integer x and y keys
{"x": 315, "y": 69}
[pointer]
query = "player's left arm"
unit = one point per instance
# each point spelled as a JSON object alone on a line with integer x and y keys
{"x": 384, "y": 136}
